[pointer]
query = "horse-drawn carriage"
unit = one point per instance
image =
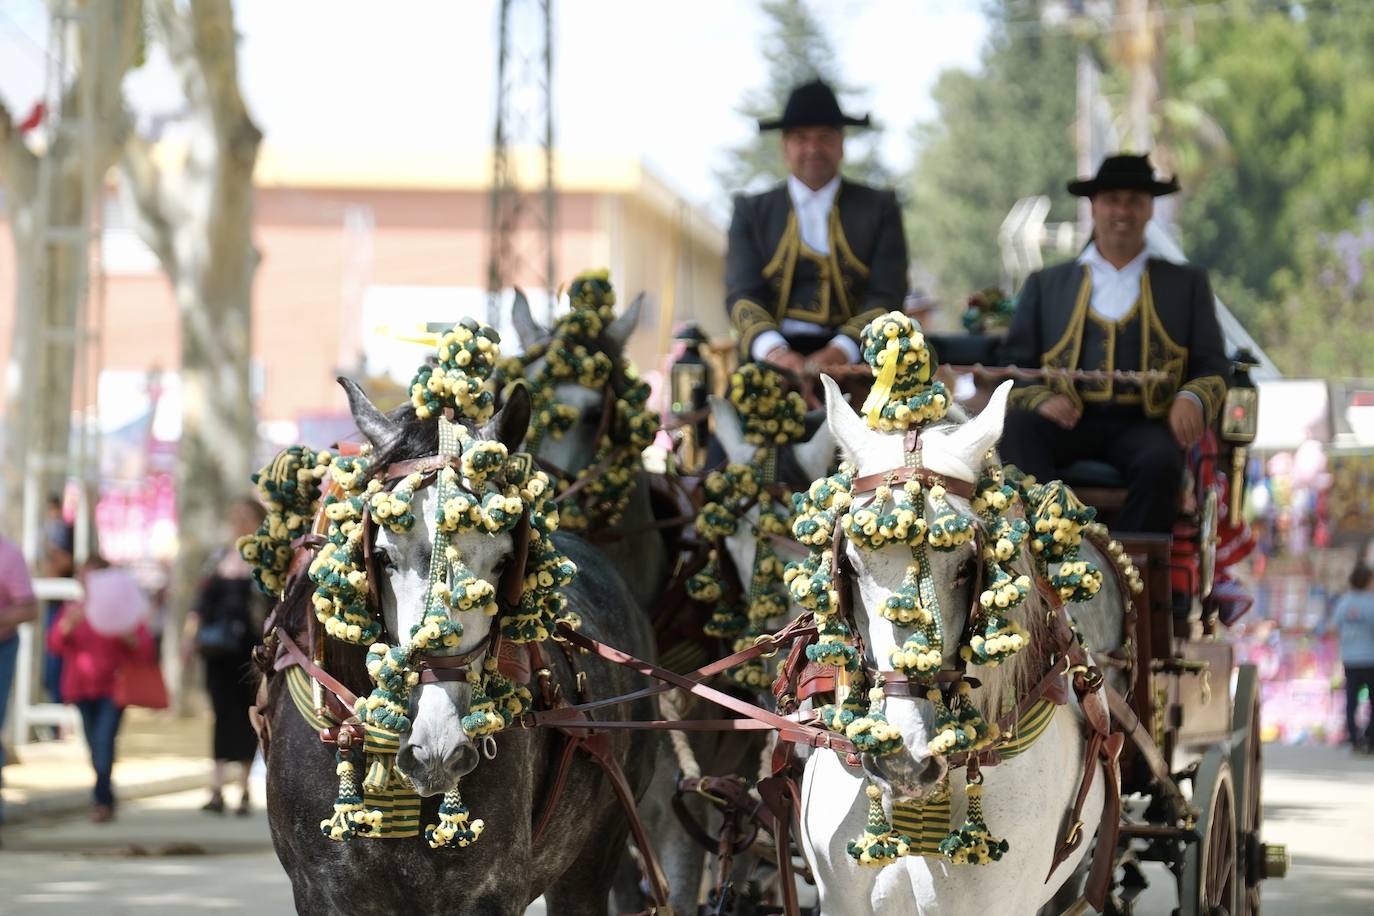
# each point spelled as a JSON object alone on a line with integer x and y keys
{"x": 1193, "y": 758}
{"x": 432, "y": 631}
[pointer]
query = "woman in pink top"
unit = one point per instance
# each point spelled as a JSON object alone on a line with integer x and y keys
{"x": 90, "y": 661}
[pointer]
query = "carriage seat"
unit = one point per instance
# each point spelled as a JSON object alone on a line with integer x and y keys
{"x": 1097, "y": 484}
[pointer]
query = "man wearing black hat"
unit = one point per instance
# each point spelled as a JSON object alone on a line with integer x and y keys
{"x": 1117, "y": 308}
{"x": 813, "y": 260}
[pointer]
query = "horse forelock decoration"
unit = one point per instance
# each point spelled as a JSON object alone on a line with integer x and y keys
{"x": 591, "y": 423}
{"x": 440, "y": 544}
{"x": 935, "y": 579}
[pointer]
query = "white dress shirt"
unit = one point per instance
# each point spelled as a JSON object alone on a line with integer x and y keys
{"x": 1114, "y": 292}
{"x": 813, "y": 220}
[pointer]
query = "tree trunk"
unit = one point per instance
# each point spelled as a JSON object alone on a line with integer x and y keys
{"x": 199, "y": 221}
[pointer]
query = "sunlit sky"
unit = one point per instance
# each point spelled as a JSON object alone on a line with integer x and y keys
{"x": 658, "y": 78}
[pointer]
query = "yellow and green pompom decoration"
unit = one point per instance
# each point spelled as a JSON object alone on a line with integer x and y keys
{"x": 905, "y": 392}
{"x": 973, "y": 843}
{"x": 464, "y": 360}
{"x": 880, "y": 844}
{"x": 769, "y": 415}
{"x": 592, "y": 291}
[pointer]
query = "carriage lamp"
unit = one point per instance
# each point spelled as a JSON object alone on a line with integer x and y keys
{"x": 688, "y": 388}
{"x": 1239, "y": 422}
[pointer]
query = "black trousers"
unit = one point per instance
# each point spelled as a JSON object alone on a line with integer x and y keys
{"x": 1143, "y": 451}
{"x": 1357, "y": 676}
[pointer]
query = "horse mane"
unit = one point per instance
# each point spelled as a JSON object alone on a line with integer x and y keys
{"x": 1024, "y": 669}
{"x": 1018, "y": 674}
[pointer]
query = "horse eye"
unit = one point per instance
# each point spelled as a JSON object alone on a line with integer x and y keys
{"x": 384, "y": 560}
{"x": 965, "y": 573}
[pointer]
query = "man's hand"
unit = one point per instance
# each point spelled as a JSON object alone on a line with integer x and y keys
{"x": 1186, "y": 422}
{"x": 829, "y": 355}
{"x": 787, "y": 358}
{"x": 1060, "y": 410}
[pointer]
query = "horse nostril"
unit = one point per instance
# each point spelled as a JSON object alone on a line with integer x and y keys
{"x": 465, "y": 761}
{"x": 407, "y": 760}
{"x": 933, "y": 770}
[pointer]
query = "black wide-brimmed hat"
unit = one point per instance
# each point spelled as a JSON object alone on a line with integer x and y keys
{"x": 1124, "y": 173}
{"x": 813, "y": 105}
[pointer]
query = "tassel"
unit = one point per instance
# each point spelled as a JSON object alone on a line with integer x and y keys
{"x": 973, "y": 843}
{"x": 879, "y": 845}
{"x": 873, "y": 734}
{"x": 343, "y": 823}
{"x": 964, "y": 730}
{"x": 454, "y": 825}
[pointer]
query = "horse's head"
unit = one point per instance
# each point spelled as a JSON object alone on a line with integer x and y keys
{"x": 797, "y": 465}
{"x": 957, "y": 452}
{"x": 570, "y": 442}
{"x": 436, "y": 752}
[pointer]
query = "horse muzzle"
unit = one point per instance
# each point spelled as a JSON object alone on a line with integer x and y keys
{"x": 906, "y": 778}
{"x": 434, "y": 769}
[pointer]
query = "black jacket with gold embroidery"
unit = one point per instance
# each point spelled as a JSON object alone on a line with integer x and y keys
{"x": 1172, "y": 328}
{"x": 770, "y": 274}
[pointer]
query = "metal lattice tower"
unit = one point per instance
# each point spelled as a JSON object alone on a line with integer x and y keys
{"x": 522, "y": 219}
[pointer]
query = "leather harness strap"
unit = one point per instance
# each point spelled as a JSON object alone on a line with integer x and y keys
{"x": 426, "y": 466}
{"x": 802, "y": 628}
{"x": 897, "y": 476}
{"x": 787, "y": 729}
{"x": 290, "y": 654}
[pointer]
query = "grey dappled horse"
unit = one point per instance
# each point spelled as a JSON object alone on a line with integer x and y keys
{"x": 502, "y": 873}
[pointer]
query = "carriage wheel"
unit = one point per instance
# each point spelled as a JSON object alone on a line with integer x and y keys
{"x": 1207, "y": 886}
{"x": 1247, "y": 769}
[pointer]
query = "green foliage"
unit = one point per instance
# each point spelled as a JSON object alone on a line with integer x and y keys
{"x": 1331, "y": 287}
{"x": 1268, "y": 117}
{"x": 797, "y": 50}
{"x": 1291, "y": 92}
{"x": 1002, "y": 133}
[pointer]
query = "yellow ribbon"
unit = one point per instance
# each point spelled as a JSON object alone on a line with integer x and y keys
{"x": 882, "y": 387}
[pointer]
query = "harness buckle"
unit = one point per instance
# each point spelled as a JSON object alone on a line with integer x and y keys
{"x": 710, "y": 796}
{"x": 766, "y": 639}
{"x": 1071, "y": 839}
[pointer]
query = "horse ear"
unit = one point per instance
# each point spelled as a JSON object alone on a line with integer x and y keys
{"x": 526, "y": 328}
{"x": 816, "y": 455}
{"x": 729, "y": 431}
{"x": 375, "y": 426}
{"x": 960, "y": 451}
{"x": 625, "y": 323}
{"x": 511, "y": 423}
{"x": 845, "y": 425}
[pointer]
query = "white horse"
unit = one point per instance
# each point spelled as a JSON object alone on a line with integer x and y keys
{"x": 1026, "y": 799}
{"x": 812, "y": 459}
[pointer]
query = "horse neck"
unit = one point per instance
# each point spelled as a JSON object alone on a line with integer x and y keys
{"x": 640, "y": 555}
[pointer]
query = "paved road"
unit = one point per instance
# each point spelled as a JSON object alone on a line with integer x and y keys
{"x": 165, "y": 856}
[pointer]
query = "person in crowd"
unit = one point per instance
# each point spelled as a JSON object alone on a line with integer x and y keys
{"x": 817, "y": 257}
{"x": 17, "y": 605}
{"x": 91, "y": 661}
{"x": 1116, "y": 308}
{"x": 1352, "y": 620}
{"x": 223, "y": 628}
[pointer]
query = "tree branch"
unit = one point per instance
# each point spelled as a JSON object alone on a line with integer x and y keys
{"x": 216, "y": 54}
{"x": 143, "y": 198}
